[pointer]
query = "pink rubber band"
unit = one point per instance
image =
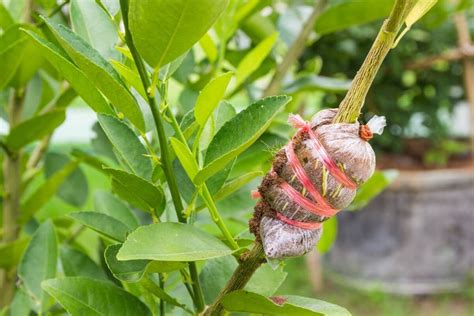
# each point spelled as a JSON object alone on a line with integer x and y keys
{"x": 305, "y": 181}
{"x": 303, "y": 225}
{"x": 308, "y": 205}
{"x": 255, "y": 194}
{"x": 333, "y": 169}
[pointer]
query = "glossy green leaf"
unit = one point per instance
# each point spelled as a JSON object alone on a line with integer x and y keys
{"x": 100, "y": 72}
{"x": 244, "y": 301}
{"x": 6, "y": 19}
{"x": 315, "y": 83}
{"x": 85, "y": 296}
{"x": 157, "y": 291}
{"x": 11, "y": 252}
{"x": 210, "y": 97}
{"x": 239, "y": 133}
{"x": 74, "y": 190}
{"x": 34, "y": 129}
{"x": 131, "y": 77}
{"x": 370, "y": 189}
{"x": 103, "y": 224}
{"x": 185, "y": 156}
{"x": 107, "y": 203}
{"x": 39, "y": 262}
{"x": 418, "y": 11}
{"x": 137, "y": 191}
{"x": 181, "y": 23}
{"x": 76, "y": 263}
{"x": 159, "y": 242}
{"x": 76, "y": 78}
{"x": 12, "y": 44}
{"x": 134, "y": 270}
{"x": 235, "y": 184}
{"x": 216, "y": 273}
{"x": 209, "y": 47}
{"x": 46, "y": 191}
{"x": 128, "y": 271}
{"x": 329, "y": 235}
{"x": 20, "y": 306}
{"x": 254, "y": 59}
{"x": 95, "y": 26}
{"x": 347, "y": 13}
{"x": 127, "y": 146}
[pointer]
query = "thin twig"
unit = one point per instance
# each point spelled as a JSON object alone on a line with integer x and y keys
{"x": 350, "y": 107}
{"x": 450, "y": 55}
{"x": 165, "y": 155}
{"x": 295, "y": 51}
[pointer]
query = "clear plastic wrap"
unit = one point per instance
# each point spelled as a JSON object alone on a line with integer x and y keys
{"x": 312, "y": 177}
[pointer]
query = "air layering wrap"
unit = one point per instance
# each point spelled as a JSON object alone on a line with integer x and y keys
{"x": 315, "y": 175}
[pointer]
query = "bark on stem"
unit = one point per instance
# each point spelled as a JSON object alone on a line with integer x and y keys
{"x": 294, "y": 52}
{"x": 350, "y": 107}
{"x": 11, "y": 200}
{"x": 348, "y": 112}
{"x": 251, "y": 261}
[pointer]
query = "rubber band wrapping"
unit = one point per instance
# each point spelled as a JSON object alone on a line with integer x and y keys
{"x": 328, "y": 161}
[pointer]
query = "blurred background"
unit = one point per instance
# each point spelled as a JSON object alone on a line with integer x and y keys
{"x": 406, "y": 245}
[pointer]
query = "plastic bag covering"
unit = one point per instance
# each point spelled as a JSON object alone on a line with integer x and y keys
{"x": 315, "y": 175}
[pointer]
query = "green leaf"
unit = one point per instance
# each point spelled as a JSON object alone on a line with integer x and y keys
{"x": 315, "y": 83}
{"x": 46, "y": 191}
{"x": 75, "y": 263}
{"x": 74, "y": 190}
{"x": 34, "y": 129}
{"x": 347, "y": 13}
{"x": 127, "y": 146}
{"x": 6, "y": 19}
{"x": 181, "y": 23}
{"x": 134, "y": 270}
{"x": 238, "y": 134}
{"x": 76, "y": 78}
{"x": 12, "y": 45}
{"x": 235, "y": 184}
{"x": 370, "y": 189}
{"x": 418, "y": 11}
{"x": 100, "y": 72}
{"x": 171, "y": 242}
{"x": 39, "y": 262}
{"x": 95, "y": 26}
{"x": 254, "y": 59}
{"x": 107, "y": 203}
{"x": 85, "y": 296}
{"x": 128, "y": 271}
{"x": 216, "y": 273}
{"x": 130, "y": 76}
{"x": 153, "y": 288}
{"x": 329, "y": 235}
{"x": 11, "y": 252}
{"x": 137, "y": 191}
{"x": 103, "y": 224}
{"x": 244, "y": 301}
{"x": 210, "y": 96}
{"x": 208, "y": 46}
{"x": 185, "y": 157}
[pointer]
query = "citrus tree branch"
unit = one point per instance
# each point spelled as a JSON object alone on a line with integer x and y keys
{"x": 249, "y": 263}
{"x": 165, "y": 155}
{"x": 351, "y": 105}
{"x": 349, "y": 111}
